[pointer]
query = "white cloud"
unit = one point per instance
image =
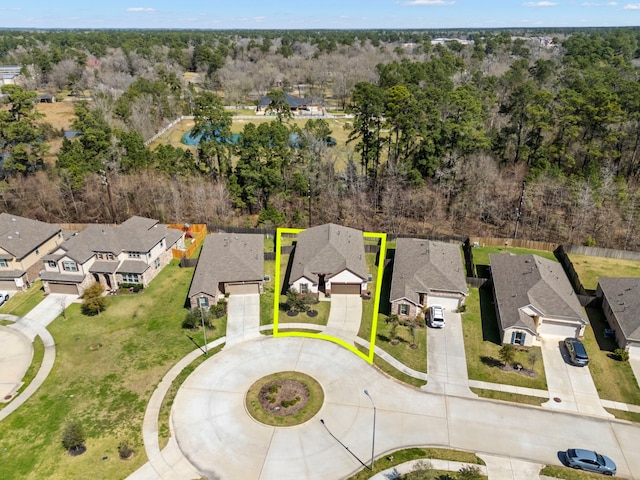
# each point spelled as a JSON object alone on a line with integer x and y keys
{"x": 539, "y": 4}
{"x": 429, "y": 3}
{"x": 632, "y": 6}
{"x": 599, "y": 4}
{"x": 140, "y": 9}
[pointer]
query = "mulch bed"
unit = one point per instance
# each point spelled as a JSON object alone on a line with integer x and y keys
{"x": 518, "y": 369}
{"x": 273, "y": 394}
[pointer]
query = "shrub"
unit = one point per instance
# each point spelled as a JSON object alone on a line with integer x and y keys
{"x": 124, "y": 450}
{"x": 135, "y": 287}
{"x": 621, "y": 355}
{"x": 92, "y": 300}
{"x": 462, "y": 308}
{"x": 507, "y": 353}
{"x": 73, "y": 436}
{"x": 469, "y": 472}
{"x": 196, "y": 316}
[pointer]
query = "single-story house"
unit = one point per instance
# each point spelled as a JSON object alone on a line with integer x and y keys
{"x": 621, "y": 304}
{"x": 131, "y": 253}
{"x": 23, "y": 243}
{"x": 426, "y": 272}
{"x": 533, "y": 298}
{"x": 229, "y": 264}
{"x": 330, "y": 259}
{"x": 298, "y": 105}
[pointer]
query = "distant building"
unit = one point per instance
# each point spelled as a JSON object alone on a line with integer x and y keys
{"x": 8, "y": 74}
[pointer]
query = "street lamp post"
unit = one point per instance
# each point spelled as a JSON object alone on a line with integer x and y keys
{"x": 373, "y": 438}
{"x": 204, "y": 331}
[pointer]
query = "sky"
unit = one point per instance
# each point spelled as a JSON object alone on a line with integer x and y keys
{"x": 308, "y": 14}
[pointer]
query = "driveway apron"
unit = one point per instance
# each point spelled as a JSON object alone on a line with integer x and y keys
{"x": 243, "y": 318}
{"x": 570, "y": 388}
{"x": 447, "y": 361}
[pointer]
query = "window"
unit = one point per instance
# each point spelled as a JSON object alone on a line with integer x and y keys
{"x": 99, "y": 256}
{"x": 110, "y": 256}
{"x": 203, "y": 302}
{"x": 518, "y": 338}
{"x": 3, "y": 262}
{"x": 69, "y": 266}
{"x": 404, "y": 309}
{"x": 304, "y": 288}
{"x": 134, "y": 254}
{"x": 156, "y": 263}
{"x": 37, "y": 251}
{"x": 52, "y": 263}
{"x": 130, "y": 278}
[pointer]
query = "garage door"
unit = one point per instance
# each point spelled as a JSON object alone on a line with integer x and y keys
{"x": 345, "y": 288}
{"x": 7, "y": 285}
{"x": 63, "y": 288}
{"x": 450, "y": 304}
{"x": 242, "y": 289}
{"x": 552, "y": 329}
{"x": 634, "y": 351}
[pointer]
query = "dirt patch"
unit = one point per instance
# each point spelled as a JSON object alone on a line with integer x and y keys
{"x": 284, "y": 397}
{"x": 59, "y": 114}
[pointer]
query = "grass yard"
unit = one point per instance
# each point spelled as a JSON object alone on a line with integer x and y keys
{"x": 567, "y": 473}
{"x": 509, "y": 397}
{"x": 401, "y": 456}
{"x": 614, "y": 380}
{"x": 481, "y": 256}
{"x": 106, "y": 369}
{"x": 20, "y": 304}
{"x": 482, "y": 344}
{"x": 590, "y": 268}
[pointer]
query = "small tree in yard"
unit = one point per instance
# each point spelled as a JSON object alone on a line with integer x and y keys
{"x": 93, "y": 301}
{"x": 73, "y": 438}
{"x": 393, "y": 333}
{"x": 534, "y": 356}
{"x": 507, "y": 353}
{"x": 196, "y": 316}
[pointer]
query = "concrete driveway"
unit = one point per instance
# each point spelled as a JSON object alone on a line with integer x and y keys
{"x": 215, "y": 433}
{"x": 447, "y": 361}
{"x": 572, "y": 385}
{"x": 345, "y": 316}
{"x": 16, "y": 353}
{"x": 634, "y": 361}
{"x": 243, "y": 318}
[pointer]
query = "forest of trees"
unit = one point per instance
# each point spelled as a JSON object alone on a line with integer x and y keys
{"x": 443, "y": 138}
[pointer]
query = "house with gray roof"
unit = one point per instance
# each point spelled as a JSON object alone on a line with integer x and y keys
{"x": 621, "y": 304}
{"x": 229, "y": 264}
{"x": 329, "y": 259}
{"x": 131, "y": 253}
{"x": 426, "y": 272}
{"x": 298, "y": 105}
{"x": 533, "y": 298}
{"x": 23, "y": 243}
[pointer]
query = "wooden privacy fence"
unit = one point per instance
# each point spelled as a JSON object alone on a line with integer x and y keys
{"x": 199, "y": 232}
{"x": 512, "y": 243}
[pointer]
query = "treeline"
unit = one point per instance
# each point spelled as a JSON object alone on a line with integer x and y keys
{"x": 445, "y": 138}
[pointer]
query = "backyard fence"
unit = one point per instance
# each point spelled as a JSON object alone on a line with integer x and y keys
{"x": 512, "y": 243}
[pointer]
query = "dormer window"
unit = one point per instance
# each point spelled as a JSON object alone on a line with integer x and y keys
{"x": 69, "y": 266}
{"x": 52, "y": 263}
{"x": 3, "y": 263}
{"x": 134, "y": 254}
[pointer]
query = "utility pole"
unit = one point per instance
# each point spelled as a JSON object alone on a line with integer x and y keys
{"x": 519, "y": 211}
{"x": 309, "y": 201}
{"x": 105, "y": 182}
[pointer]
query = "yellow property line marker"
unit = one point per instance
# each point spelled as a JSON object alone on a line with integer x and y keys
{"x": 376, "y": 302}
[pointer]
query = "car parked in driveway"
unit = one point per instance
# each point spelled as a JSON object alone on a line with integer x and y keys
{"x": 590, "y": 461}
{"x": 436, "y": 316}
{"x": 577, "y": 352}
{"x": 4, "y": 296}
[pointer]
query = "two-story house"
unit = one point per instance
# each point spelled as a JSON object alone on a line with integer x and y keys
{"x": 23, "y": 243}
{"x": 133, "y": 252}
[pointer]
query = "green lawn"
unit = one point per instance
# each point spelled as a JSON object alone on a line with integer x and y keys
{"x": 22, "y": 303}
{"x": 590, "y": 268}
{"x": 614, "y": 380}
{"x": 106, "y": 369}
{"x": 482, "y": 344}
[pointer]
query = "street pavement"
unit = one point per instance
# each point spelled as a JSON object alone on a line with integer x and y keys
{"x": 215, "y": 433}
{"x": 17, "y": 353}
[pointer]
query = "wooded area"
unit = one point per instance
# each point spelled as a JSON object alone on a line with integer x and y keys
{"x": 528, "y": 131}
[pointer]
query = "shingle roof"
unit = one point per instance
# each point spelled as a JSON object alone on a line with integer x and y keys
{"x": 20, "y": 236}
{"x": 530, "y": 280}
{"x": 328, "y": 249}
{"x": 137, "y": 234}
{"x": 294, "y": 102}
{"x": 424, "y": 266}
{"x": 59, "y": 277}
{"x": 228, "y": 257}
{"x": 104, "y": 267}
{"x": 623, "y": 296}
{"x": 133, "y": 266}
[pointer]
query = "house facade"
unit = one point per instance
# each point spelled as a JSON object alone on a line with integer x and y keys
{"x": 23, "y": 244}
{"x": 620, "y": 305}
{"x": 534, "y": 299}
{"x": 426, "y": 272}
{"x": 229, "y": 264}
{"x": 131, "y": 253}
{"x": 329, "y": 259}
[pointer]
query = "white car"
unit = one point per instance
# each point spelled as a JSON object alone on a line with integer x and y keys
{"x": 436, "y": 316}
{"x": 4, "y": 296}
